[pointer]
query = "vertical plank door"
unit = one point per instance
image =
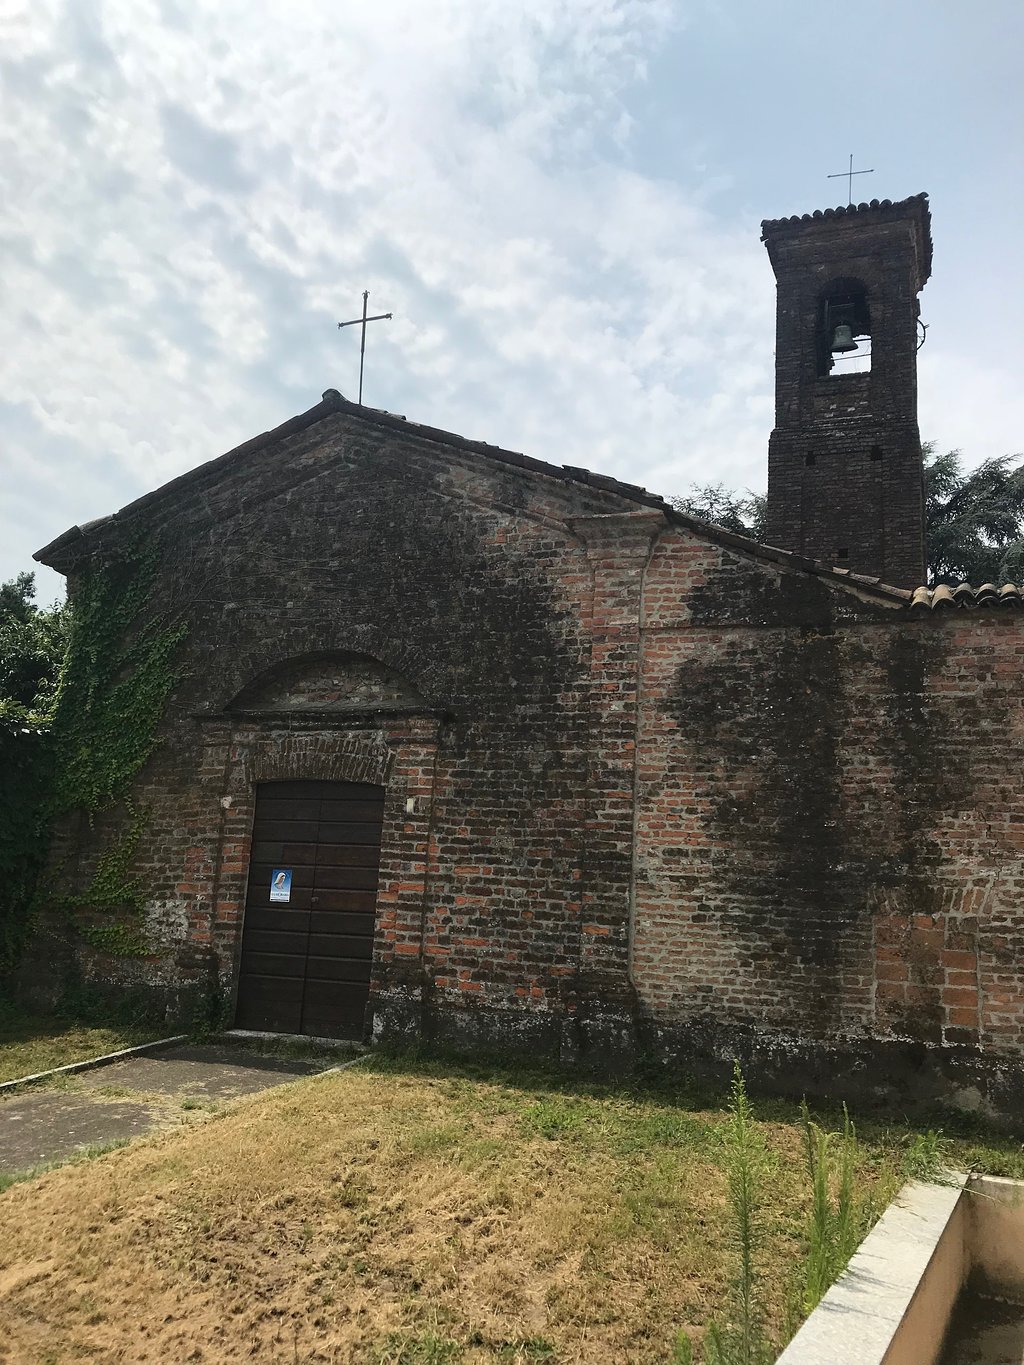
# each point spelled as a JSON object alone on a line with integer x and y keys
{"x": 305, "y": 964}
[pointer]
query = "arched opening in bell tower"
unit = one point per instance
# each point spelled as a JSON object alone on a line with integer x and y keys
{"x": 843, "y": 330}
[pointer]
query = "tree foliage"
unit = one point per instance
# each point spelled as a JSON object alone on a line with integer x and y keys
{"x": 974, "y": 519}
{"x": 741, "y": 513}
{"x": 32, "y": 644}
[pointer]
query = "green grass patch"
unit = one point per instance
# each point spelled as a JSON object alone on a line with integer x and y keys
{"x": 427, "y": 1348}
{"x": 637, "y": 1116}
{"x": 30, "y": 1043}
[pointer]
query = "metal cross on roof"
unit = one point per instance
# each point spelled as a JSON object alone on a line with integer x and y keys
{"x": 848, "y": 176}
{"x": 378, "y": 317}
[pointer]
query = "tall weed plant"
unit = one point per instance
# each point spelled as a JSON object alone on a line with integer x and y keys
{"x": 838, "y": 1215}
{"x": 837, "y": 1221}
{"x": 741, "y": 1340}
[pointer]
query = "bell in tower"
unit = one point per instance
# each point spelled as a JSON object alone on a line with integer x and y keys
{"x": 845, "y": 477}
{"x": 842, "y": 339}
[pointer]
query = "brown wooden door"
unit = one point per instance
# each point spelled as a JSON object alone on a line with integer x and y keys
{"x": 306, "y": 959}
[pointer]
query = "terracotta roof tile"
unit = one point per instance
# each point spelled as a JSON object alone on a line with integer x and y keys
{"x": 884, "y": 208}
{"x": 841, "y": 211}
{"x": 942, "y": 596}
{"x": 964, "y": 595}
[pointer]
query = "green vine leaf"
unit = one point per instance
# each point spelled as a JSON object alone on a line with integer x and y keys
{"x": 84, "y": 749}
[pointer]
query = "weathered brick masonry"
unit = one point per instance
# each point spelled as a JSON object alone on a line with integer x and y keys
{"x": 830, "y": 833}
{"x": 649, "y": 786}
{"x": 469, "y": 581}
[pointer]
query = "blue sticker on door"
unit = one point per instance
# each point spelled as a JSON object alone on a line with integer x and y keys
{"x": 281, "y": 884}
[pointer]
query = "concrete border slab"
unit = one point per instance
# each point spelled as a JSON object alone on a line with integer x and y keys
{"x": 245, "y": 1035}
{"x": 92, "y": 1062}
{"x": 893, "y": 1303}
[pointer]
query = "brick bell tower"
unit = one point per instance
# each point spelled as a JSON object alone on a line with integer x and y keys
{"x": 845, "y": 478}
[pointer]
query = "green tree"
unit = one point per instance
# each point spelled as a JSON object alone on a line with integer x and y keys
{"x": 974, "y": 520}
{"x": 33, "y": 640}
{"x": 32, "y": 646}
{"x": 741, "y": 513}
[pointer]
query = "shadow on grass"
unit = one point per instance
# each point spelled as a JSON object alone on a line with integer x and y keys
{"x": 924, "y": 1142}
{"x": 31, "y": 1043}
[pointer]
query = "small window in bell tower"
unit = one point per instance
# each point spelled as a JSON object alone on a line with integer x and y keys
{"x": 844, "y": 330}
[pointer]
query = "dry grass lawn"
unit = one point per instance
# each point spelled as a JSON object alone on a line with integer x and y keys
{"x": 398, "y": 1214}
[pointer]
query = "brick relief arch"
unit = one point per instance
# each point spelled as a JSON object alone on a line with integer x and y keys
{"x": 308, "y": 644}
{"x": 326, "y": 684}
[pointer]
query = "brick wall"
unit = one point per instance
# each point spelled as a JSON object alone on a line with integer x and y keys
{"x": 642, "y": 789}
{"x": 830, "y": 833}
{"x": 357, "y": 593}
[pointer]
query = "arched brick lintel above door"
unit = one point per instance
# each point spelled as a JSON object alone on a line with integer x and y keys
{"x": 323, "y": 757}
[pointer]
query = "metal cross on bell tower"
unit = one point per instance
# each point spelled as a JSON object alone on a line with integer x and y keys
{"x": 848, "y": 177}
{"x": 378, "y": 317}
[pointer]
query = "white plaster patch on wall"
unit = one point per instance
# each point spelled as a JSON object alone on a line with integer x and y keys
{"x": 166, "y": 922}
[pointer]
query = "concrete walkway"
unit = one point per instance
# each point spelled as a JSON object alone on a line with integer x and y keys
{"x": 119, "y": 1101}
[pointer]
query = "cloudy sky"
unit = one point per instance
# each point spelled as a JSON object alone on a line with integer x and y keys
{"x": 558, "y": 200}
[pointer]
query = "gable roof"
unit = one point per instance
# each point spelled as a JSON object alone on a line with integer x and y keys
{"x": 62, "y": 552}
{"x": 70, "y": 547}
{"x": 76, "y": 543}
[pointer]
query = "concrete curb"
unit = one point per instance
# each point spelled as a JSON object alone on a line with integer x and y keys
{"x": 896, "y": 1285}
{"x": 342, "y": 1066}
{"x": 6, "y": 1087}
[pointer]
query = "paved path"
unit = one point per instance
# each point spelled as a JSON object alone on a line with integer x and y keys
{"x": 135, "y": 1096}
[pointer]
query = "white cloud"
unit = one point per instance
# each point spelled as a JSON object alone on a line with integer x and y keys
{"x": 197, "y": 192}
{"x": 977, "y": 410}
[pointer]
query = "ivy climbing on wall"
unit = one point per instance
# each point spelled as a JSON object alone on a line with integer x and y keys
{"x": 94, "y": 739}
{"x": 114, "y": 686}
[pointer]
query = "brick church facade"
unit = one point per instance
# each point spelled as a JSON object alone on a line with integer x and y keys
{"x": 478, "y": 749}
